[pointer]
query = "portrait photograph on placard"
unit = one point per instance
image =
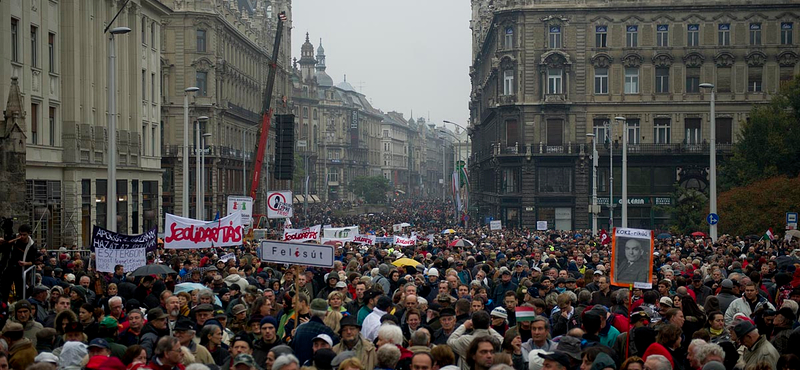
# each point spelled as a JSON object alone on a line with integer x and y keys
{"x": 632, "y": 257}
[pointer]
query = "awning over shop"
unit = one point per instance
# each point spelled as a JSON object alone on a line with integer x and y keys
{"x": 300, "y": 199}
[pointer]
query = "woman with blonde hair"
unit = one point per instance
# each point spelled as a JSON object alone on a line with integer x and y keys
{"x": 332, "y": 320}
{"x": 351, "y": 363}
{"x": 336, "y": 303}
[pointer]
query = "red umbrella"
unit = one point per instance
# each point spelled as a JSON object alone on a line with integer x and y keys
{"x": 699, "y": 233}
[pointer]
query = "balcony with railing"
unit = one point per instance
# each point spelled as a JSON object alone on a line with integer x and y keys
{"x": 542, "y": 149}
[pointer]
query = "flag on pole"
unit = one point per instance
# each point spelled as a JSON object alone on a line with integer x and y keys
{"x": 456, "y": 193}
{"x": 769, "y": 235}
{"x": 604, "y": 239}
{"x": 464, "y": 176}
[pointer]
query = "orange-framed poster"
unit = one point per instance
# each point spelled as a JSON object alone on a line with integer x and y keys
{"x": 632, "y": 257}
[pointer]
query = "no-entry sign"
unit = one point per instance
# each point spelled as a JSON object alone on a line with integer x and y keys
{"x": 279, "y": 204}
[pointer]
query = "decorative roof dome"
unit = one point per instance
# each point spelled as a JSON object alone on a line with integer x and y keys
{"x": 323, "y": 79}
{"x": 344, "y": 85}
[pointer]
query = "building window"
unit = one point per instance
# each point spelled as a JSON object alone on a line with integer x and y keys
{"x": 723, "y": 80}
{"x": 508, "y": 39}
{"x": 144, "y": 85}
{"x": 599, "y": 129}
{"x": 600, "y": 36}
{"x": 508, "y": 82}
{"x": 333, "y": 176}
{"x": 662, "y": 79}
{"x": 693, "y": 131}
{"x": 52, "y": 122}
{"x": 202, "y": 78}
{"x": 153, "y": 88}
{"x": 692, "y": 80}
{"x": 724, "y": 34}
{"x": 631, "y": 80}
{"x": 601, "y": 80}
{"x": 754, "y": 79}
{"x": 786, "y": 33}
{"x": 34, "y": 46}
{"x": 51, "y": 51}
{"x": 510, "y": 181}
{"x": 662, "y": 35}
{"x": 14, "y": 40}
{"x": 632, "y": 36}
{"x": 144, "y": 139}
{"x": 755, "y": 33}
{"x": 554, "y": 81}
{"x": 34, "y": 123}
{"x": 305, "y": 112}
{"x": 661, "y": 130}
{"x": 144, "y": 30}
{"x": 693, "y": 35}
{"x": 555, "y": 179}
{"x": 201, "y": 41}
{"x": 512, "y": 132}
{"x": 153, "y": 35}
{"x": 555, "y": 37}
{"x": 153, "y": 140}
{"x": 633, "y": 131}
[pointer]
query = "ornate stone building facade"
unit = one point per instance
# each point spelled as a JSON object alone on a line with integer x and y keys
{"x": 57, "y": 52}
{"x": 339, "y": 125}
{"x": 546, "y": 73}
{"x": 223, "y": 47}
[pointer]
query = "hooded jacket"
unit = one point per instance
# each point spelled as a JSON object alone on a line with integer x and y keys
{"x": 21, "y": 354}
{"x": 72, "y": 355}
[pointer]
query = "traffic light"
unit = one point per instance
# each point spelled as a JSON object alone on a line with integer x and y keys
{"x": 284, "y": 146}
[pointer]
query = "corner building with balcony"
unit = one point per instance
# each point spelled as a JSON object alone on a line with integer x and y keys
{"x": 546, "y": 73}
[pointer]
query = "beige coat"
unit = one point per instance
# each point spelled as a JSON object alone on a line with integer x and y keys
{"x": 365, "y": 352}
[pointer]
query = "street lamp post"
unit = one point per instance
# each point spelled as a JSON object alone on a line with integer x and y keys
{"x": 712, "y": 205}
{"x": 466, "y": 203}
{"x": 198, "y": 184}
{"x": 111, "y": 186}
{"x": 455, "y": 165}
{"x": 594, "y": 183}
{"x": 186, "y": 134}
{"x": 203, "y": 173}
{"x": 624, "y": 170}
{"x": 610, "y": 177}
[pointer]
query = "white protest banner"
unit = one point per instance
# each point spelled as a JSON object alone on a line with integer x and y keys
{"x": 187, "y": 233}
{"x": 340, "y": 233}
{"x": 130, "y": 259}
{"x": 279, "y": 204}
{"x": 397, "y": 228}
{"x": 297, "y": 254}
{"x": 541, "y": 225}
{"x": 405, "y": 242}
{"x": 364, "y": 239}
{"x": 496, "y": 225}
{"x": 241, "y": 204}
{"x": 302, "y": 235}
{"x": 227, "y": 257}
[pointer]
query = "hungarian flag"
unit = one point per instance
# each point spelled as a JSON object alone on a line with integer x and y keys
{"x": 524, "y": 313}
{"x": 604, "y": 238}
{"x": 769, "y": 235}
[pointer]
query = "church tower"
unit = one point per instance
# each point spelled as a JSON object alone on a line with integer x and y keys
{"x": 307, "y": 60}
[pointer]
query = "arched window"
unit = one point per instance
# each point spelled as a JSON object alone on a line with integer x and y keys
{"x": 508, "y": 39}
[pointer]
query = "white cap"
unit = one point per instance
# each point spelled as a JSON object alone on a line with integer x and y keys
{"x": 46, "y": 357}
{"x": 666, "y": 301}
{"x": 324, "y": 337}
{"x": 433, "y": 271}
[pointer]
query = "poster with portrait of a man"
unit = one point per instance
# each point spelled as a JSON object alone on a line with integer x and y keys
{"x": 632, "y": 258}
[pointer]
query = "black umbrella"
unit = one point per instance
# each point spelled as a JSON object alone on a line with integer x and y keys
{"x": 153, "y": 269}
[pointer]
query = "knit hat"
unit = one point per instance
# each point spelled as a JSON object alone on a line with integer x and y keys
{"x": 384, "y": 269}
{"x": 727, "y": 284}
{"x": 109, "y": 323}
{"x": 269, "y": 320}
{"x": 323, "y": 358}
{"x": 743, "y": 328}
{"x": 500, "y": 312}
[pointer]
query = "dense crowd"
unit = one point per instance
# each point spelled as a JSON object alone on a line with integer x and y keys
{"x": 470, "y": 298}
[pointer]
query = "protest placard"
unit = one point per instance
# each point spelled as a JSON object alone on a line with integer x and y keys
{"x": 130, "y": 259}
{"x": 187, "y": 233}
{"x": 113, "y": 249}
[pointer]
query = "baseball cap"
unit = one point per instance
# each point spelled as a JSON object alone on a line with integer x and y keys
{"x": 244, "y": 359}
{"x": 743, "y": 328}
{"x": 109, "y": 323}
{"x": 341, "y": 284}
{"x": 447, "y": 311}
{"x": 46, "y": 357}
{"x": 204, "y": 307}
{"x": 324, "y": 337}
{"x": 666, "y": 301}
{"x": 99, "y": 343}
{"x": 560, "y": 357}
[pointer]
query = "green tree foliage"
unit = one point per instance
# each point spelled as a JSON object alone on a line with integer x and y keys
{"x": 688, "y": 214}
{"x": 372, "y": 189}
{"x": 768, "y": 144}
{"x": 299, "y": 173}
{"x": 754, "y": 208}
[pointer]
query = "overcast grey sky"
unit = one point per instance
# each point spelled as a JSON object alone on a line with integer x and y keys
{"x": 403, "y": 55}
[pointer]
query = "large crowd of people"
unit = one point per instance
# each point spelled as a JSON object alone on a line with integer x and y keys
{"x": 463, "y": 299}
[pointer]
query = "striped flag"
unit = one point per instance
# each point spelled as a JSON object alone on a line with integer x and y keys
{"x": 456, "y": 194}
{"x": 525, "y": 313}
{"x": 464, "y": 176}
{"x": 769, "y": 235}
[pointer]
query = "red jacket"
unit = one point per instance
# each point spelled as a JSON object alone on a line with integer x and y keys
{"x": 155, "y": 364}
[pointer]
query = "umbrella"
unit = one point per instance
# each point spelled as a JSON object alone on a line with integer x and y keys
{"x": 663, "y": 236}
{"x": 460, "y": 243}
{"x": 794, "y": 233}
{"x": 189, "y": 287}
{"x": 405, "y": 224}
{"x": 405, "y": 261}
{"x": 699, "y": 233}
{"x": 153, "y": 269}
{"x": 448, "y": 231}
{"x": 335, "y": 243}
